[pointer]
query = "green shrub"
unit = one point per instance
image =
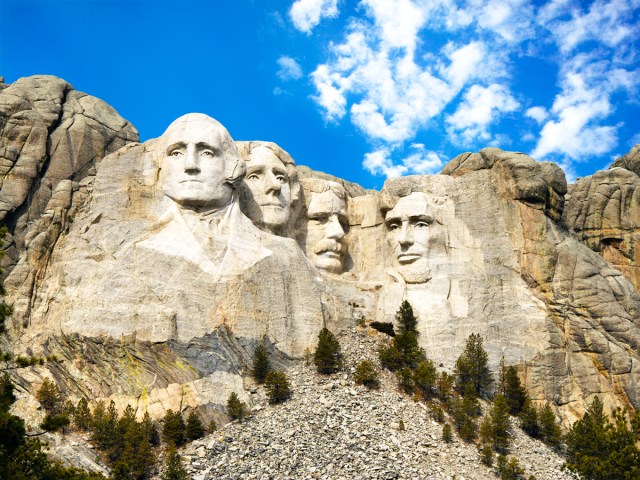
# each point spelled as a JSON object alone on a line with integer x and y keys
{"x": 424, "y": 378}
{"x": 54, "y": 422}
{"x": 509, "y": 469}
{"x": 277, "y": 385}
{"x": 367, "y": 374}
{"x": 437, "y": 413}
{"x": 82, "y": 415}
{"x": 49, "y": 397}
{"x": 550, "y": 432}
{"x": 486, "y": 455}
{"x": 173, "y": 470}
{"x": 405, "y": 380}
{"x": 529, "y": 419}
{"x": 212, "y": 427}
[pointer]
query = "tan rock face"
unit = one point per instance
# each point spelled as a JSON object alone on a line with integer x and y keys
{"x": 155, "y": 280}
{"x": 604, "y": 212}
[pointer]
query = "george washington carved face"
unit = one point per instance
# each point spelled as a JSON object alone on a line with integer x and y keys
{"x": 198, "y": 163}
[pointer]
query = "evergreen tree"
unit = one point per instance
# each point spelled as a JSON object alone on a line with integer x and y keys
{"x": 529, "y": 419}
{"x": 472, "y": 366}
{"x": 327, "y": 357}
{"x": 277, "y": 385}
{"x": 424, "y": 377}
{"x": 235, "y": 408}
{"x": 486, "y": 455}
{"x": 509, "y": 468}
{"x": 499, "y": 425}
{"x": 405, "y": 380}
{"x": 174, "y": 470}
{"x": 549, "y": 429}
{"x": 405, "y": 319}
{"x": 366, "y": 374}
{"x": 194, "y": 429}
{"x": 514, "y": 393}
{"x": 82, "y": 415}
{"x": 150, "y": 430}
{"x": 464, "y": 419}
{"x": 173, "y": 430}
{"x": 445, "y": 386}
{"x": 53, "y": 422}
{"x": 212, "y": 427}
{"x": 447, "y": 434}
{"x": 131, "y": 455}
{"x": 261, "y": 364}
{"x": 49, "y": 397}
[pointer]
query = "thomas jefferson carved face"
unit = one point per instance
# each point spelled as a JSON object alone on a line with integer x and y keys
{"x": 194, "y": 163}
{"x": 408, "y": 234}
{"x": 266, "y": 191}
{"x": 327, "y": 217}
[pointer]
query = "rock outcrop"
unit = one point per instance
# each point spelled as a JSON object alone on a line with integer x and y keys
{"x": 151, "y": 286}
{"x": 604, "y": 212}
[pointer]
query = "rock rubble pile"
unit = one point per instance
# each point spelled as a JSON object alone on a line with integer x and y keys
{"x": 335, "y": 429}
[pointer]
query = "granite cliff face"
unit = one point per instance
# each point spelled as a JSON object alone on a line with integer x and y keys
{"x": 153, "y": 273}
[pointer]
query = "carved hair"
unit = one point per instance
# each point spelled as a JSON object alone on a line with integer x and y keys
{"x": 395, "y": 190}
{"x": 319, "y": 185}
{"x": 234, "y": 166}
{"x": 245, "y": 149}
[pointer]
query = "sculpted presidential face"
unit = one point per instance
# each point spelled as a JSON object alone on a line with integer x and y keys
{"x": 408, "y": 227}
{"x": 266, "y": 190}
{"x": 326, "y": 228}
{"x": 195, "y": 163}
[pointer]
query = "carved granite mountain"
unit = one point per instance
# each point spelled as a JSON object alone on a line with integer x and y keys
{"x": 152, "y": 287}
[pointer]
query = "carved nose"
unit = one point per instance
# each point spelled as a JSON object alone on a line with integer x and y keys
{"x": 191, "y": 161}
{"x": 334, "y": 228}
{"x": 271, "y": 183}
{"x": 405, "y": 236}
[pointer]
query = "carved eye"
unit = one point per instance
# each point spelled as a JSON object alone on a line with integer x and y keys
{"x": 207, "y": 153}
{"x": 253, "y": 176}
{"x": 422, "y": 224}
{"x": 176, "y": 153}
{"x": 282, "y": 179}
{"x": 393, "y": 226}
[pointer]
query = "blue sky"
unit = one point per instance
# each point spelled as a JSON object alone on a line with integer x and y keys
{"x": 358, "y": 89}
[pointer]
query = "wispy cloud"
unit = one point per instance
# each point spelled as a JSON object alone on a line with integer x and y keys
{"x": 289, "y": 69}
{"x": 389, "y": 77}
{"x": 307, "y": 14}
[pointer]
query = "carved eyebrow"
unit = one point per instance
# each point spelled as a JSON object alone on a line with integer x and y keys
{"x": 422, "y": 217}
{"x": 175, "y": 146}
{"x": 392, "y": 220}
{"x": 207, "y": 146}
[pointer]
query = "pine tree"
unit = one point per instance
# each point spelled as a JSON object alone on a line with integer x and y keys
{"x": 424, "y": 377}
{"x": 212, "y": 427}
{"x": 499, "y": 421}
{"x": 514, "y": 392}
{"x": 529, "y": 419}
{"x": 405, "y": 318}
{"x": 150, "y": 430}
{"x": 472, "y": 367}
{"x": 447, "y": 434}
{"x": 509, "y": 468}
{"x": 82, "y": 415}
{"x": 235, "y": 408}
{"x": 366, "y": 374}
{"x": 49, "y": 397}
{"x": 174, "y": 470}
{"x": 549, "y": 429}
{"x": 445, "y": 386}
{"x": 261, "y": 364}
{"x": 277, "y": 385}
{"x": 405, "y": 380}
{"x": 587, "y": 446}
{"x": 194, "y": 429}
{"x": 173, "y": 430}
{"x": 327, "y": 357}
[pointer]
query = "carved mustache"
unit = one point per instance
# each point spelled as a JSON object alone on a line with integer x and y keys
{"x": 328, "y": 246}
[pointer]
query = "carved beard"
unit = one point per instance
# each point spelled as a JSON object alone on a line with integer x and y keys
{"x": 415, "y": 273}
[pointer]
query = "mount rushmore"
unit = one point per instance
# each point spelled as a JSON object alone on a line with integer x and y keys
{"x": 152, "y": 271}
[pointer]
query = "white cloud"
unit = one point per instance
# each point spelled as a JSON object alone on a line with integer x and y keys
{"x": 379, "y": 162}
{"x": 481, "y": 107}
{"x": 306, "y": 14}
{"x": 289, "y": 69}
{"x": 610, "y": 22}
{"x": 539, "y": 114}
{"x": 398, "y": 21}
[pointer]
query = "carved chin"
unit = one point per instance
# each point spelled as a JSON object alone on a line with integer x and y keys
{"x": 329, "y": 262}
{"x": 273, "y": 217}
{"x": 418, "y": 272}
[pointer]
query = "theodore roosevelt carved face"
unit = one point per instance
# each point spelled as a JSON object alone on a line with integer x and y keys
{"x": 408, "y": 226}
{"x": 326, "y": 224}
{"x": 199, "y": 163}
{"x": 269, "y": 186}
